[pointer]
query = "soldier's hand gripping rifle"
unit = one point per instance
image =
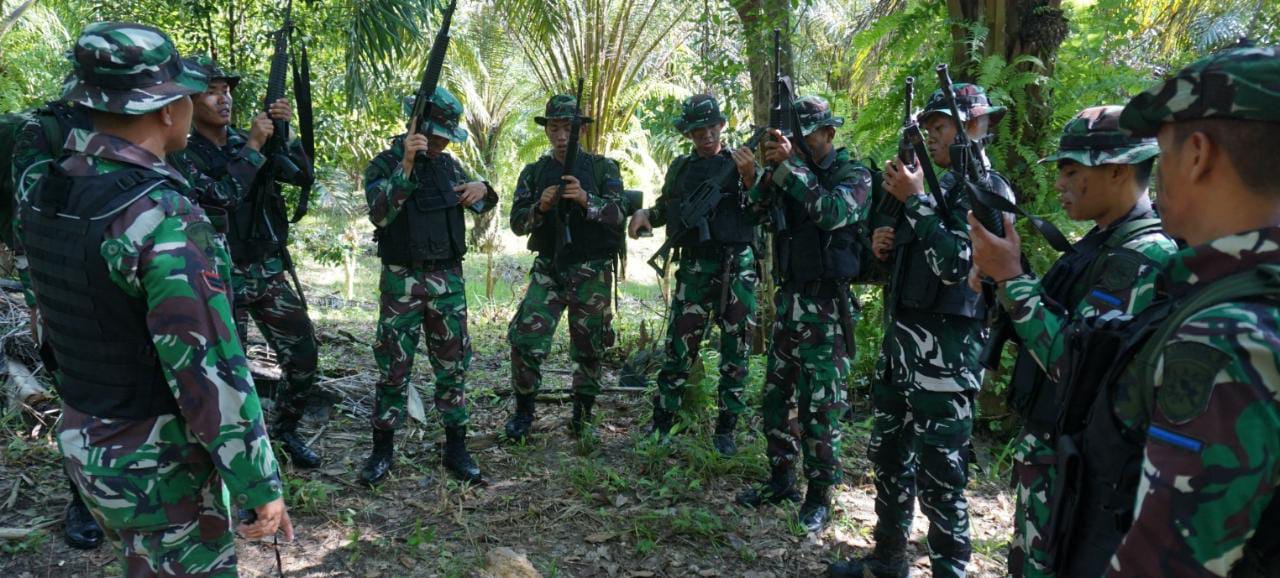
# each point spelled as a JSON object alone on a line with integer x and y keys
{"x": 912, "y": 153}
{"x": 424, "y": 108}
{"x": 968, "y": 164}
{"x": 786, "y": 120}
{"x": 279, "y": 165}
{"x": 563, "y": 209}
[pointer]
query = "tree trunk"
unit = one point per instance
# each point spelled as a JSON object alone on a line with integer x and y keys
{"x": 759, "y": 19}
{"x": 1016, "y": 28}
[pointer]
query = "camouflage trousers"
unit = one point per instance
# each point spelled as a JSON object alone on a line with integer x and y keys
{"x": 170, "y": 520}
{"x": 1033, "y": 475}
{"x": 699, "y": 284}
{"x": 277, "y": 310}
{"x": 804, "y": 390}
{"x": 583, "y": 289}
{"x": 412, "y": 302}
{"x": 919, "y": 448}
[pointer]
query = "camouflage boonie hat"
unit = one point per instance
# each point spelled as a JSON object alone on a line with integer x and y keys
{"x": 1094, "y": 138}
{"x": 209, "y": 67}
{"x": 814, "y": 112}
{"x": 971, "y": 101}
{"x": 699, "y": 110}
{"x": 1237, "y": 83}
{"x": 560, "y": 106}
{"x": 446, "y": 114}
{"x": 128, "y": 68}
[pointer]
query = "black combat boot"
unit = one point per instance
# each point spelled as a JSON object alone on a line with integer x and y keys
{"x": 662, "y": 420}
{"x": 580, "y": 422}
{"x": 519, "y": 425}
{"x": 381, "y": 459}
{"x": 816, "y": 509}
{"x": 79, "y": 529}
{"x": 779, "y": 488}
{"x": 723, "y": 438}
{"x": 286, "y": 432}
{"x": 887, "y": 560}
{"x": 456, "y": 457}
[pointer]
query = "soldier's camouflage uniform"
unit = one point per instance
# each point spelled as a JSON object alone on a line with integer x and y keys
{"x": 583, "y": 286}
{"x": 1121, "y": 278}
{"x": 701, "y": 273}
{"x": 804, "y": 391}
{"x": 928, "y": 368}
{"x": 1211, "y": 409}
{"x": 163, "y": 486}
{"x": 413, "y": 300}
{"x": 220, "y": 181}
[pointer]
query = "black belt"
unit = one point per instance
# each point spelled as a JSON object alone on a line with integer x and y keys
{"x": 708, "y": 250}
{"x": 435, "y": 264}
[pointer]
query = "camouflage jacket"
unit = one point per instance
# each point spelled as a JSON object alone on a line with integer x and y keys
{"x": 1121, "y": 284}
{"x": 846, "y": 203}
{"x": 161, "y": 248}
{"x": 603, "y": 206}
{"x": 1212, "y": 421}
{"x": 387, "y": 188}
{"x": 231, "y": 189}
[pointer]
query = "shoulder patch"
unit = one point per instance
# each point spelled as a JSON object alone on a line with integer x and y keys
{"x": 1120, "y": 272}
{"x": 203, "y": 236}
{"x": 1188, "y": 379}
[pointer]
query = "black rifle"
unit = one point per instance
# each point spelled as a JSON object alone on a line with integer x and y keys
{"x": 564, "y": 209}
{"x": 423, "y": 108}
{"x": 279, "y": 166}
{"x": 912, "y": 153}
{"x": 698, "y": 209}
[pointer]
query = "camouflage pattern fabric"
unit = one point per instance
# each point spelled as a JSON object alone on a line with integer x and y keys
{"x": 228, "y": 191}
{"x": 1237, "y": 83}
{"x": 1122, "y": 284}
{"x": 161, "y": 486}
{"x": 212, "y": 71}
{"x": 146, "y": 70}
{"x": 1210, "y": 414}
{"x": 814, "y": 112}
{"x": 804, "y": 391}
{"x": 698, "y": 111}
{"x": 276, "y": 308}
{"x": 971, "y": 102}
{"x": 413, "y": 301}
{"x": 696, "y": 300}
{"x": 561, "y": 106}
{"x": 603, "y": 206}
{"x": 584, "y": 289}
{"x": 1094, "y": 138}
{"x": 928, "y": 370}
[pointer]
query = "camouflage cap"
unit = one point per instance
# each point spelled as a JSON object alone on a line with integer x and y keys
{"x": 446, "y": 114}
{"x": 209, "y": 67}
{"x": 1094, "y": 138}
{"x": 699, "y": 110}
{"x": 561, "y": 106}
{"x": 971, "y": 101}
{"x": 128, "y": 69}
{"x": 814, "y": 112}
{"x": 1237, "y": 83}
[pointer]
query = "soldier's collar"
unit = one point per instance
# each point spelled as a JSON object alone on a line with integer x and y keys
{"x": 1222, "y": 257}
{"x": 114, "y": 148}
{"x": 826, "y": 162}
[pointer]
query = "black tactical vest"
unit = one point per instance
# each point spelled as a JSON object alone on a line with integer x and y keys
{"x": 1030, "y": 388}
{"x": 249, "y": 243}
{"x": 804, "y": 252}
{"x": 430, "y": 225}
{"x": 591, "y": 240}
{"x": 731, "y": 226}
{"x": 107, "y": 364}
{"x": 915, "y": 286}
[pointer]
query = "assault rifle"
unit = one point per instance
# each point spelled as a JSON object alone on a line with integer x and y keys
{"x": 698, "y": 209}
{"x": 563, "y": 215}
{"x": 967, "y": 162}
{"x": 784, "y": 117}
{"x": 424, "y": 110}
{"x": 912, "y": 153}
{"x": 279, "y": 166}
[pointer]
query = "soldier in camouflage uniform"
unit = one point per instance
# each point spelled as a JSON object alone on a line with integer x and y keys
{"x": 816, "y": 205}
{"x": 161, "y": 430}
{"x": 717, "y": 275}
{"x": 36, "y": 146}
{"x": 416, "y": 193}
{"x": 928, "y": 369}
{"x": 1179, "y": 462}
{"x": 1102, "y": 177}
{"x": 580, "y": 279}
{"x": 221, "y": 163}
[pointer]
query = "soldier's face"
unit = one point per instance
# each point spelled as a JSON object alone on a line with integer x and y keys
{"x": 558, "y": 133}
{"x": 819, "y": 141}
{"x": 213, "y": 106}
{"x": 1171, "y": 197}
{"x": 180, "y": 114}
{"x": 436, "y": 145}
{"x": 706, "y": 139}
{"x": 942, "y": 132}
{"x": 1084, "y": 192}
